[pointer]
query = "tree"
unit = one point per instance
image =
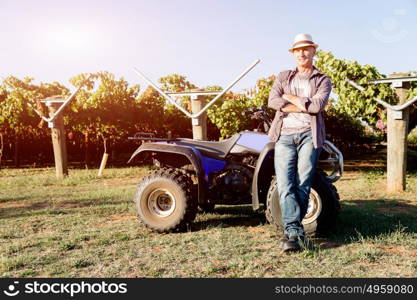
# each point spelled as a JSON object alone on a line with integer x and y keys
{"x": 107, "y": 111}
{"x": 151, "y": 112}
{"x": 18, "y": 98}
{"x": 413, "y": 110}
{"x": 176, "y": 83}
{"x": 228, "y": 113}
{"x": 174, "y": 120}
{"x": 351, "y": 101}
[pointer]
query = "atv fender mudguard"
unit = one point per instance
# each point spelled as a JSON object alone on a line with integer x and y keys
{"x": 191, "y": 154}
{"x": 262, "y": 176}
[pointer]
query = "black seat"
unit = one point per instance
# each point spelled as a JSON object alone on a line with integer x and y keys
{"x": 217, "y": 150}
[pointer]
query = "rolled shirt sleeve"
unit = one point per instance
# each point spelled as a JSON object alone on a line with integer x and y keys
{"x": 275, "y": 100}
{"x": 318, "y": 102}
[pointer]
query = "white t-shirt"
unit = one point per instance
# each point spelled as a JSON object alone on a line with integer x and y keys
{"x": 298, "y": 122}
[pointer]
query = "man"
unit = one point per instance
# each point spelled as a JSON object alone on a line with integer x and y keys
{"x": 298, "y": 96}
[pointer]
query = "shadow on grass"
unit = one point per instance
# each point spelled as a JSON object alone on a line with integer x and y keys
{"x": 237, "y": 210}
{"x": 229, "y": 216}
{"x": 28, "y": 209}
{"x": 377, "y": 161}
{"x": 362, "y": 219}
{"x": 358, "y": 219}
{"x": 12, "y": 199}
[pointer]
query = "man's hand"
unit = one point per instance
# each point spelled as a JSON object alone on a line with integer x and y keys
{"x": 295, "y": 100}
{"x": 291, "y": 108}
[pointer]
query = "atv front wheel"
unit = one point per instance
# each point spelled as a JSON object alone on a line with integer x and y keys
{"x": 164, "y": 200}
{"x": 323, "y": 206}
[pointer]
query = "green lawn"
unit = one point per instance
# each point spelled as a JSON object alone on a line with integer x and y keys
{"x": 85, "y": 226}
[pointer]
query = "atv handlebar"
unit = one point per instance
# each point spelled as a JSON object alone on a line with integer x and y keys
{"x": 259, "y": 114}
{"x": 255, "y": 112}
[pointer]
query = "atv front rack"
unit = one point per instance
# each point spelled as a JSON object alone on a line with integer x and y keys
{"x": 334, "y": 160}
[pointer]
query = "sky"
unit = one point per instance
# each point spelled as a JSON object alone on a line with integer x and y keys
{"x": 210, "y": 42}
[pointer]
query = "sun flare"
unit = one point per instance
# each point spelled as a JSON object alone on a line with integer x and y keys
{"x": 70, "y": 40}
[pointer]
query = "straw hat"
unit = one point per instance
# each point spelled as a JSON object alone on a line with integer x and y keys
{"x": 303, "y": 40}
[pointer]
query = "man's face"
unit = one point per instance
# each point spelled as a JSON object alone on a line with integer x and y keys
{"x": 304, "y": 55}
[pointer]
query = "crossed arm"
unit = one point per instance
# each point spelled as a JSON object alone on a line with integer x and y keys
{"x": 288, "y": 103}
{"x": 294, "y": 105}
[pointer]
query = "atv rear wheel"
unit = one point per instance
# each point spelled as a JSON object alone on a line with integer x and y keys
{"x": 323, "y": 206}
{"x": 164, "y": 200}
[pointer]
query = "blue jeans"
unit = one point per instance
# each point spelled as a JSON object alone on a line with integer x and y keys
{"x": 295, "y": 164}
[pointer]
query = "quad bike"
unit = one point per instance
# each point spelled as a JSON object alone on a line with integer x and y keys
{"x": 195, "y": 175}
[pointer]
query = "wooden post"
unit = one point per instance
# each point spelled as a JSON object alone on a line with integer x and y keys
{"x": 397, "y": 140}
{"x": 16, "y": 151}
{"x": 104, "y": 159}
{"x": 200, "y": 123}
{"x": 103, "y": 164}
{"x": 1, "y": 147}
{"x": 58, "y": 138}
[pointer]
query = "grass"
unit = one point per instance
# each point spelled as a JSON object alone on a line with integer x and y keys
{"x": 85, "y": 226}
{"x": 412, "y": 137}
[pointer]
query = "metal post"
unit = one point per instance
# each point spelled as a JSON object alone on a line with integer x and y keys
{"x": 199, "y": 123}
{"x": 198, "y": 105}
{"x": 58, "y": 138}
{"x": 219, "y": 94}
{"x": 397, "y": 139}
